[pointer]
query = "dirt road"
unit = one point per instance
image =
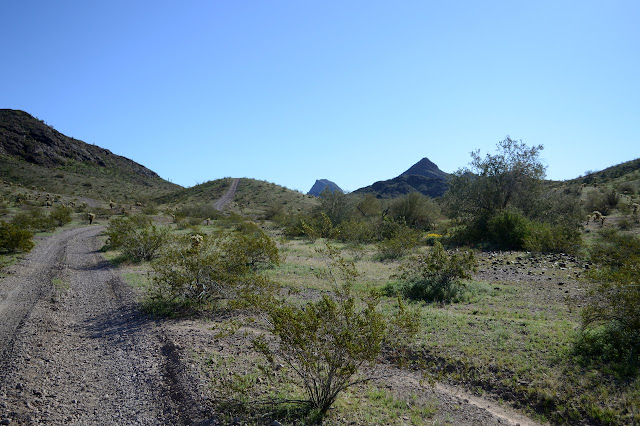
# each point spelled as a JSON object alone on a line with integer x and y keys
{"x": 74, "y": 348}
{"x": 228, "y": 196}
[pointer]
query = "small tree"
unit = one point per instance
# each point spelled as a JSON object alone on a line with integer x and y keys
{"x": 512, "y": 177}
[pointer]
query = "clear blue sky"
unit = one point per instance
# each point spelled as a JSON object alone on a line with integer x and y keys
{"x": 351, "y": 91}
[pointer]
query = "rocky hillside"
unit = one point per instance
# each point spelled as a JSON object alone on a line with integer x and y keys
{"x": 424, "y": 177}
{"x": 34, "y": 153}
{"x": 321, "y": 185}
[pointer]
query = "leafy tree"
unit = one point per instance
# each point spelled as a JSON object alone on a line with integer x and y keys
{"x": 369, "y": 206}
{"x": 512, "y": 177}
{"x": 500, "y": 201}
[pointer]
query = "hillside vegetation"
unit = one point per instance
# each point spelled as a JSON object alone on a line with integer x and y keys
{"x": 33, "y": 153}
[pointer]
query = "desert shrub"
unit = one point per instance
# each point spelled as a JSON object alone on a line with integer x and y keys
{"x": 256, "y": 249}
{"x": 119, "y": 228}
{"x": 14, "y": 238}
{"x": 548, "y": 238}
{"x": 149, "y": 208}
{"x": 612, "y": 198}
{"x": 509, "y": 230}
{"x": 415, "y": 210}
{"x": 354, "y": 230}
{"x": 437, "y": 275}
{"x": 398, "y": 244}
{"x": 198, "y": 269}
{"x": 327, "y": 342}
{"x": 597, "y": 201}
{"x": 613, "y": 301}
{"x": 627, "y": 188}
{"x": 335, "y": 205}
{"x": 61, "y": 215}
{"x": 625, "y": 224}
{"x": 275, "y": 211}
{"x": 137, "y": 237}
{"x": 34, "y": 219}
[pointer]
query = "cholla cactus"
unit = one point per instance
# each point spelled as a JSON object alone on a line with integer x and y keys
{"x": 196, "y": 241}
{"x": 91, "y": 217}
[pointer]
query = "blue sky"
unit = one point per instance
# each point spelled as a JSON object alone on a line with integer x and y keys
{"x": 351, "y": 91}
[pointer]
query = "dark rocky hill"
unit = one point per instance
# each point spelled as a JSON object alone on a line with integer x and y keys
{"x": 321, "y": 185}
{"x": 424, "y": 177}
{"x": 34, "y": 153}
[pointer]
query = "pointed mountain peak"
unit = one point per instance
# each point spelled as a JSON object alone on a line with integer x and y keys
{"x": 424, "y": 167}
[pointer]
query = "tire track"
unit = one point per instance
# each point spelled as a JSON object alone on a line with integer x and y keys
{"x": 227, "y": 197}
{"x": 88, "y": 356}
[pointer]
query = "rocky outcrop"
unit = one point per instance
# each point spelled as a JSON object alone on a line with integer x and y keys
{"x": 321, "y": 185}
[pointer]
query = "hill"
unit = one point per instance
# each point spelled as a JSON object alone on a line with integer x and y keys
{"x": 321, "y": 185}
{"x": 629, "y": 171}
{"x": 424, "y": 177}
{"x": 33, "y": 153}
{"x": 253, "y": 197}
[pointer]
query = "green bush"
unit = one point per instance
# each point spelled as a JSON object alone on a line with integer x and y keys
{"x": 326, "y": 343}
{"x": 138, "y": 239}
{"x": 547, "y": 238}
{"x": 509, "y": 230}
{"x": 15, "y": 239}
{"x": 399, "y": 244}
{"x": 34, "y": 219}
{"x": 415, "y": 210}
{"x": 256, "y": 249}
{"x": 354, "y": 230}
{"x": 614, "y": 300}
{"x": 197, "y": 269}
{"x": 437, "y": 275}
{"x": 61, "y": 215}
{"x": 120, "y": 229}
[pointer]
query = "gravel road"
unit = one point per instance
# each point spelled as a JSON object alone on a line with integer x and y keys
{"x": 74, "y": 348}
{"x": 221, "y": 203}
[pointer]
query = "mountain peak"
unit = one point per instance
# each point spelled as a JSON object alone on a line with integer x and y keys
{"x": 424, "y": 167}
{"x": 321, "y": 185}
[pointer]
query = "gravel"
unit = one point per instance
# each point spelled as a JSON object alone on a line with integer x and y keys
{"x": 76, "y": 350}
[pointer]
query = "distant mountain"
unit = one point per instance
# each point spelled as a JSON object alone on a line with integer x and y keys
{"x": 424, "y": 177}
{"x": 34, "y": 153}
{"x": 320, "y": 186}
